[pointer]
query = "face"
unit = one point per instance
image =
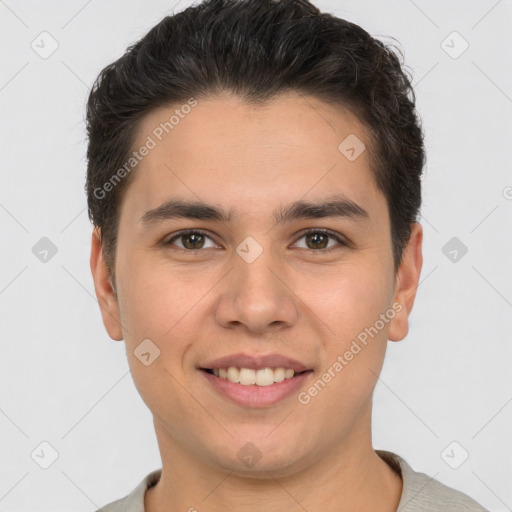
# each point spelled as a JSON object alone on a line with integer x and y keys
{"x": 289, "y": 265}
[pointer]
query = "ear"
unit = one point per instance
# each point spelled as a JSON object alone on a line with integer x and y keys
{"x": 406, "y": 284}
{"x": 107, "y": 299}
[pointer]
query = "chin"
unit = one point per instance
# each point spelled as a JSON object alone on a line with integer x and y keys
{"x": 256, "y": 459}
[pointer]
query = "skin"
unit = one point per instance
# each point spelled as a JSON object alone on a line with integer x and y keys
{"x": 295, "y": 299}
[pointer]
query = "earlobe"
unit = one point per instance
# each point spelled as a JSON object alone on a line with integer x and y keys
{"x": 407, "y": 280}
{"x": 105, "y": 293}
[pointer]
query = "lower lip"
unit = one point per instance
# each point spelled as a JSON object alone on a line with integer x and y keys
{"x": 257, "y": 396}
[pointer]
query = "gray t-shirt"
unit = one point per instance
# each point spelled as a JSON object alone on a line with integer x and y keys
{"x": 420, "y": 493}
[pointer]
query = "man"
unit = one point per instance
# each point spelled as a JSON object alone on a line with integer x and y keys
{"x": 254, "y": 182}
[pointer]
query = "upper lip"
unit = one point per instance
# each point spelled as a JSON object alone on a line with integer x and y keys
{"x": 256, "y": 362}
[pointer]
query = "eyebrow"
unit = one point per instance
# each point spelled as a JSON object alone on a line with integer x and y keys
{"x": 335, "y": 206}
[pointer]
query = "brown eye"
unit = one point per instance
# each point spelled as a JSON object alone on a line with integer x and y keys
{"x": 319, "y": 240}
{"x": 190, "y": 240}
{"x": 193, "y": 241}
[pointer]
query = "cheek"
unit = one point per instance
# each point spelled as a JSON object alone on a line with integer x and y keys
{"x": 154, "y": 299}
{"x": 350, "y": 298}
{"x": 350, "y": 304}
{"x": 156, "y": 306}
{"x": 163, "y": 305}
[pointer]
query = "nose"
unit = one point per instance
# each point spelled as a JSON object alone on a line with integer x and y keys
{"x": 257, "y": 296}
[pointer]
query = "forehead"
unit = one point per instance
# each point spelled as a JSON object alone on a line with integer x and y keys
{"x": 224, "y": 148}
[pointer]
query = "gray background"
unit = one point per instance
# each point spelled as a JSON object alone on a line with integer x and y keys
{"x": 64, "y": 382}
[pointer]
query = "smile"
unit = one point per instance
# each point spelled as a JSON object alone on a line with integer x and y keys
{"x": 255, "y": 388}
{"x": 251, "y": 377}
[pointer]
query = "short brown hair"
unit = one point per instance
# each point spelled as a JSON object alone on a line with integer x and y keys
{"x": 257, "y": 49}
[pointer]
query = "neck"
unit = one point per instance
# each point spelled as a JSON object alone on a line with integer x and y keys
{"x": 351, "y": 477}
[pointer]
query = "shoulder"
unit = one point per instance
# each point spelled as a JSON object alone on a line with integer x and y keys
{"x": 422, "y": 493}
{"x": 134, "y": 502}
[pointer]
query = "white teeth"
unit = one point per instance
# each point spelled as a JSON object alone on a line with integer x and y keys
{"x": 288, "y": 374}
{"x": 249, "y": 377}
{"x": 279, "y": 374}
{"x": 264, "y": 377}
{"x": 233, "y": 374}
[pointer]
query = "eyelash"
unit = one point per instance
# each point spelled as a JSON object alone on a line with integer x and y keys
{"x": 328, "y": 232}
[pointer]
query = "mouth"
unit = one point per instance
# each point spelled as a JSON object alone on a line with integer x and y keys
{"x": 255, "y": 380}
{"x": 255, "y": 388}
{"x": 255, "y": 377}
